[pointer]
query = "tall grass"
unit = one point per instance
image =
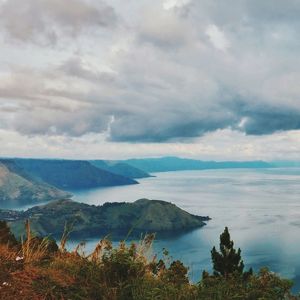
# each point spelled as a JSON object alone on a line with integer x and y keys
{"x": 67, "y": 231}
{"x": 33, "y": 250}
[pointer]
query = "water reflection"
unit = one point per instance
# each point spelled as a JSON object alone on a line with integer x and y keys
{"x": 261, "y": 208}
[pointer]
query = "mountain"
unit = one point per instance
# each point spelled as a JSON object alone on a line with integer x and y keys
{"x": 286, "y": 164}
{"x": 19, "y": 188}
{"x": 120, "y": 168}
{"x": 165, "y": 164}
{"x": 71, "y": 174}
{"x": 118, "y": 219}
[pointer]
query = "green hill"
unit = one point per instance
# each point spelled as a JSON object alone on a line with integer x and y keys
{"x": 117, "y": 219}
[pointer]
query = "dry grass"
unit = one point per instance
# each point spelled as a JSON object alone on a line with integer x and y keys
{"x": 31, "y": 250}
{"x": 65, "y": 236}
{"x": 102, "y": 246}
{"x": 7, "y": 253}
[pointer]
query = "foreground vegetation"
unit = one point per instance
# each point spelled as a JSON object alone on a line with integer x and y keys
{"x": 37, "y": 268}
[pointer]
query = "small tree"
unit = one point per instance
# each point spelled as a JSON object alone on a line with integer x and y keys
{"x": 228, "y": 260}
{"x": 176, "y": 273}
{"x": 6, "y": 237}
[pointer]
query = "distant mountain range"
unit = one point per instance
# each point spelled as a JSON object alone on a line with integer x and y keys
{"x": 118, "y": 219}
{"x": 286, "y": 164}
{"x": 165, "y": 164}
{"x": 26, "y": 181}
{"x": 120, "y": 168}
{"x": 72, "y": 174}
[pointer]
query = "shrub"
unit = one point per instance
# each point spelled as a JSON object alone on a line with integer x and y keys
{"x": 123, "y": 273}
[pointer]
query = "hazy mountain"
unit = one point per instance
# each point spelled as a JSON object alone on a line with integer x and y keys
{"x": 71, "y": 174}
{"x": 286, "y": 164}
{"x": 120, "y": 168}
{"x": 165, "y": 164}
{"x": 111, "y": 218}
{"x": 19, "y": 188}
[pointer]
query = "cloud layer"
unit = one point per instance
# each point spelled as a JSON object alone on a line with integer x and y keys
{"x": 47, "y": 20}
{"x": 149, "y": 71}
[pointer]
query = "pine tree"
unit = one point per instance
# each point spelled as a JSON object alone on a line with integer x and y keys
{"x": 228, "y": 260}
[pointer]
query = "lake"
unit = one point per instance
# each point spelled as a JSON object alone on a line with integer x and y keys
{"x": 261, "y": 207}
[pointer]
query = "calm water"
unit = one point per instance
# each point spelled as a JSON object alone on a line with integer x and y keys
{"x": 260, "y": 207}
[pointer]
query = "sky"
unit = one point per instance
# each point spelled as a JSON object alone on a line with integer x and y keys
{"x": 115, "y": 79}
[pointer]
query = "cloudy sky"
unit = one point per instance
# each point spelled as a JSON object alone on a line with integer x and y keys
{"x": 207, "y": 79}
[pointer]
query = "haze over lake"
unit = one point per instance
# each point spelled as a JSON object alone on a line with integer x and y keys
{"x": 260, "y": 207}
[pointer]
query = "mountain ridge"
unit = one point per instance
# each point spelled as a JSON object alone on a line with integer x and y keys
{"x": 120, "y": 168}
{"x": 172, "y": 163}
{"x": 72, "y": 174}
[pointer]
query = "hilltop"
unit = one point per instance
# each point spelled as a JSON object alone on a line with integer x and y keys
{"x": 118, "y": 219}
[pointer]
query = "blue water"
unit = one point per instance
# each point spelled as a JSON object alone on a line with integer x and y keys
{"x": 260, "y": 207}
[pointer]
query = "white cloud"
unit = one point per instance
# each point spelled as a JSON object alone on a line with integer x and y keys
{"x": 217, "y": 37}
{"x": 169, "y": 4}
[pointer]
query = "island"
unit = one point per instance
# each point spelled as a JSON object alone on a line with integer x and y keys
{"x": 115, "y": 219}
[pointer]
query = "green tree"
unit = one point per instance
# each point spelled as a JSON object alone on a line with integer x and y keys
{"x": 6, "y": 237}
{"x": 228, "y": 261}
{"x": 176, "y": 273}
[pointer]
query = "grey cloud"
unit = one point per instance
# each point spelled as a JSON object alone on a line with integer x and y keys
{"x": 251, "y": 12}
{"x": 168, "y": 30}
{"x": 31, "y": 107}
{"x": 45, "y": 20}
{"x": 277, "y": 11}
{"x": 75, "y": 67}
{"x": 267, "y": 120}
{"x": 47, "y": 122}
{"x": 126, "y": 129}
{"x": 168, "y": 82}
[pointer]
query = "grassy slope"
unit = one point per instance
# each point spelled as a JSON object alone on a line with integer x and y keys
{"x": 17, "y": 187}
